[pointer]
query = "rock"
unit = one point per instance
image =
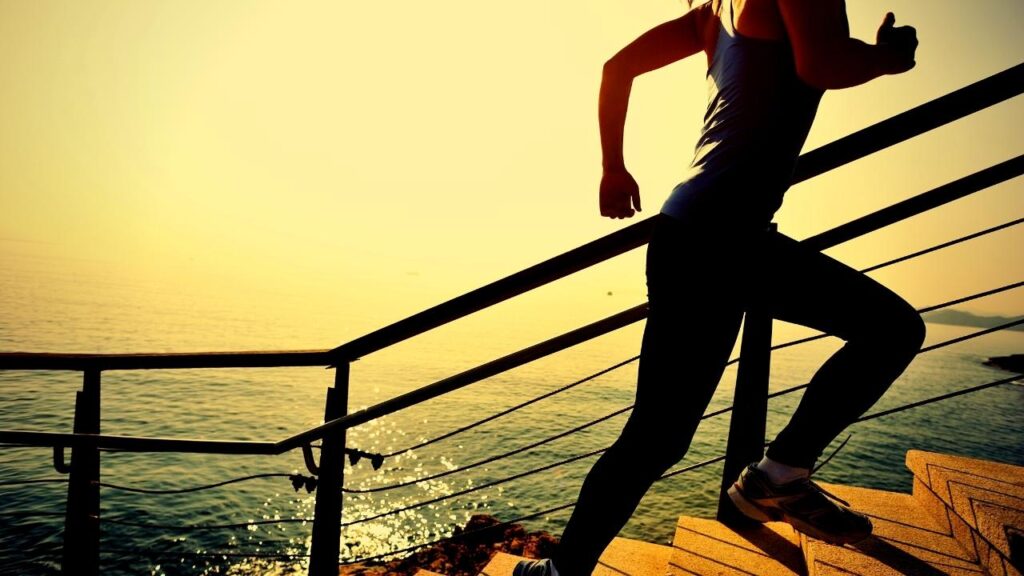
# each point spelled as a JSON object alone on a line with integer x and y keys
{"x": 466, "y": 555}
{"x": 1014, "y": 363}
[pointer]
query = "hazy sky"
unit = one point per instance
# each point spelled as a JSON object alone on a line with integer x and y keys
{"x": 389, "y": 155}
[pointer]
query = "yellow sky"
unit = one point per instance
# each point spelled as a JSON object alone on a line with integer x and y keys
{"x": 389, "y": 155}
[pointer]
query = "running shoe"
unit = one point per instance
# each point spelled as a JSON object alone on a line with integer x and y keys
{"x": 801, "y": 503}
{"x": 535, "y": 568}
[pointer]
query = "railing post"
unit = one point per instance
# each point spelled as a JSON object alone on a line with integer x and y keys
{"x": 750, "y": 407}
{"x": 82, "y": 516}
{"x": 326, "y": 545}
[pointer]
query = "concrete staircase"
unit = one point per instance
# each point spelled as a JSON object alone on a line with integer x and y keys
{"x": 965, "y": 517}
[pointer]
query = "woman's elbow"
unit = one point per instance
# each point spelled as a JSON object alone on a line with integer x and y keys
{"x": 614, "y": 68}
{"x": 816, "y": 74}
{"x": 620, "y": 68}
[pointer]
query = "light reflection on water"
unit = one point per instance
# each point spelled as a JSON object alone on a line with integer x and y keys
{"x": 269, "y": 404}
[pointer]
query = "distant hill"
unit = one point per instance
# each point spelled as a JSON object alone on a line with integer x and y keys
{"x": 961, "y": 318}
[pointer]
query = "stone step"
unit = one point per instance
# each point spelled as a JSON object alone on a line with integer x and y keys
{"x": 964, "y": 518}
{"x": 708, "y": 547}
{"x": 622, "y": 557}
{"x": 979, "y": 501}
{"x": 905, "y": 540}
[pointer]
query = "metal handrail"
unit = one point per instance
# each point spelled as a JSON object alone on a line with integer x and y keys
{"x": 172, "y": 361}
{"x": 914, "y": 122}
{"x": 864, "y": 142}
{"x": 843, "y": 233}
{"x": 934, "y": 198}
{"x": 82, "y": 513}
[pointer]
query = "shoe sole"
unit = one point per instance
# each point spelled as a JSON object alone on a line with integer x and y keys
{"x": 753, "y": 511}
{"x": 748, "y": 508}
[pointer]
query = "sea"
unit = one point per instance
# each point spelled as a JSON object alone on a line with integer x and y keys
{"x": 160, "y": 517}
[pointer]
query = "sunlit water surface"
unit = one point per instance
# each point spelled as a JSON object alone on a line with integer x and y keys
{"x": 48, "y": 311}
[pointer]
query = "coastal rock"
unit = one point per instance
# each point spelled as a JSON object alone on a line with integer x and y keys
{"x": 467, "y": 553}
{"x": 1012, "y": 363}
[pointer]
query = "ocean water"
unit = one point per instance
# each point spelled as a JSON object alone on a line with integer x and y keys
{"x": 50, "y": 311}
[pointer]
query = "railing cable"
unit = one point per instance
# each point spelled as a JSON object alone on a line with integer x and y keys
{"x": 941, "y": 398}
{"x": 671, "y": 474}
{"x": 518, "y": 476}
{"x": 972, "y": 297}
{"x": 30, "y": 514}
{"x": 972, "y": 335}
{"x": 40, "y": 481}
{"x": 840, "y": 234}
{"x": 578, "y": 457}
{"x": 193, "y": 488}
{"x": 214, "y": 554}
{"x": 491, "y": 459}
{"x": 666, "y": 476}
{"x": 551, "y": 510}
{"x": 495, "y": 458}
{"x": 942, "y": 344}
{"x": 609, "y": 369}
{"x": 940, "y": 111}
{"x": 392, "y": 512}
{"x": 919, "y": 311}
{"x": 510, "y": 410}
{"x": 480, "y": 487}
{"x": 938, "y": 247}
{"x": 202, "y": 527}
{"x": 712, "y": 414}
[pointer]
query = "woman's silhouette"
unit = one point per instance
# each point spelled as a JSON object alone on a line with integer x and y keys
{"x": 712, "y": 255}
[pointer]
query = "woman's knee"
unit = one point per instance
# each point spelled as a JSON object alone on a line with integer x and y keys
{"x": 655, "y": 446}
{"x": 901, "y": 332}
{"x": 908, "y": 327}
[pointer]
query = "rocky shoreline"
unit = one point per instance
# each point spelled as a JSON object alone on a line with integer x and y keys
{"x": 465, "y": 555}
{"x": 1012, "y": 363}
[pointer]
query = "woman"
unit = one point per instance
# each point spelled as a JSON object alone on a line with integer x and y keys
{"x": 712, "y": 255}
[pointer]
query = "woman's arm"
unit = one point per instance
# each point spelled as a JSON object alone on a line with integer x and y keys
{"x": 827, "y": 57}
{"x": 660, "y": 46}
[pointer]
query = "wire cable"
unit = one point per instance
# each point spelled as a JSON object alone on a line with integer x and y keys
{"x": 476, "y": 488}
{"x": 544, "y": 512}
{"x": 193, "y": 488}
{"x": 630, "y": 407}
{"x": 1009, "y": 224}
{"x": 578, "y": 457}
{"x": 934, "y": 399}
{"x": 678, "y": 472}
{"x": 201, "y": 527}
{"x": 159, "y": 554}
{"x": 573, "y": 459}
{"x": 42, "y": 481}
{"x": 512, "y": 409}
{"x": 781, "y": 346}
{"x": 492, "y": 458}
{"x": 30, "y": 514}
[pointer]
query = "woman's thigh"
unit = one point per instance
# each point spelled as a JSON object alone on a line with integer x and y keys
{"x": 800, "y": 285}
{"x": 695, "y": 311}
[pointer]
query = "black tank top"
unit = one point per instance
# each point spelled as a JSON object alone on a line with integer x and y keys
{"x": 758, "y": 115}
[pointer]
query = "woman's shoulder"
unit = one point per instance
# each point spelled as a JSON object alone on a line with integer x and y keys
{"x": 760, "y": 19}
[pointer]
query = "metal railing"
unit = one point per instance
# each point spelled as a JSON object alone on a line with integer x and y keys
{"x": 746, "y": 438}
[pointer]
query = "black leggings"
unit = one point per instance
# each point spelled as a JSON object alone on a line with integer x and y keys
{"x": 699, "y": 281}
